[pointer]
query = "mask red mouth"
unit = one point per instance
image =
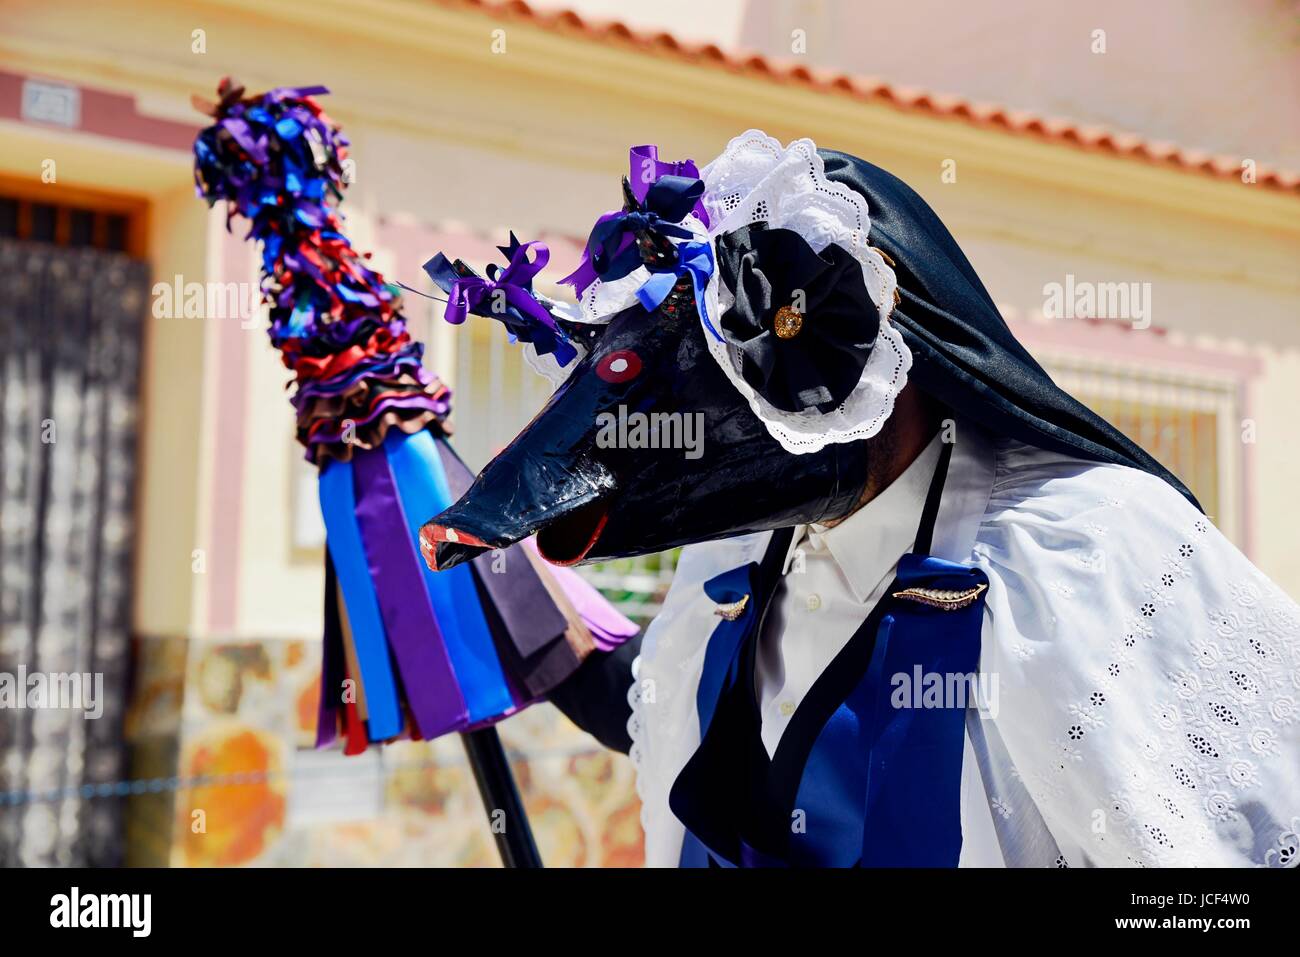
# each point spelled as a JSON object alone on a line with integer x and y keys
{"x": 570, "y": 538}
{"x": 565, "y": 505}
{"x": 432, "y": 537}
{"x": 565, "y": 541}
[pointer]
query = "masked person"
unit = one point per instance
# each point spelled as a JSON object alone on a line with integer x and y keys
{"x": 931, "y": 611}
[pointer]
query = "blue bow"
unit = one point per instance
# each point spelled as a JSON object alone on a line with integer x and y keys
{"x": 694, "y": 259}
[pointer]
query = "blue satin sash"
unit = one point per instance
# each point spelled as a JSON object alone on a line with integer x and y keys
{"x": 888, "y": 764}
{"x": 881, "y": 783}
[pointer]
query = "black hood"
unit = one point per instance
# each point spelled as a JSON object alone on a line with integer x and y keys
{"x": 963, "y": 353}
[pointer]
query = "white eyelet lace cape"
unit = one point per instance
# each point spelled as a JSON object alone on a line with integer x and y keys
{"x": 1148, "y": 674}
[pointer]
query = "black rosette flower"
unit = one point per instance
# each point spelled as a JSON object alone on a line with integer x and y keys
{"x": 802, "y": 321}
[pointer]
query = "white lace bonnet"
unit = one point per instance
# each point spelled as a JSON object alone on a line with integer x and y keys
{"x": 757, "y": 180}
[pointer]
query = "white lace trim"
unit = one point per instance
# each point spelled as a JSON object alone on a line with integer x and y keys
{"x": 636, "y": 753}
{"x": 548, "y": 366}
{"x": 757, "y": 180}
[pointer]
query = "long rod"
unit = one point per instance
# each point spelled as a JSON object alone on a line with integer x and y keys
{"x": 505, "y": 809}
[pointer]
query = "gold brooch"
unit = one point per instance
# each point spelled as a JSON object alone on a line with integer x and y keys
{"x": 787, "y": 323}
{"x": 941, "y": 598}
{"x": 732, "y": 610}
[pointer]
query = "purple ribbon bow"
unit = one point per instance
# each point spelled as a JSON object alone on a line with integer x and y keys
{"x": 469, "y": 293}
{"x": 645, "y": 168}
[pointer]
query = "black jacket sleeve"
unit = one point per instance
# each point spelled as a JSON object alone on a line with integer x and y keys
{"x": 594, "y": 697}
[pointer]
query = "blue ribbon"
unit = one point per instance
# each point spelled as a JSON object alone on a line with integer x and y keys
{"x": 338, "y": 506}
{"x": 422, "y": 487}
{"x": 913, "y": 798}
{"x": 694, "y": 259}
{"x": 720, "y": 655}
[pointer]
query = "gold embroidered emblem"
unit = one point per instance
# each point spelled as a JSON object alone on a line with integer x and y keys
{"x": 732, "y": 610}
{"x": 788, "y": 322}
{"x": 945, "y": 599}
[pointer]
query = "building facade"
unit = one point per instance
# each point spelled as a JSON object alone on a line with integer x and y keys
{"x": 1160, "y": 288}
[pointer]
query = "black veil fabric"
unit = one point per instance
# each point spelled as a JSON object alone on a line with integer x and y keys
{"x": 963, "y": 353}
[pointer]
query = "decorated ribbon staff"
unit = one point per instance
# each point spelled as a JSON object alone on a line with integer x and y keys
{"x": 426, "y": 653}
{"x": 931, "y": 610}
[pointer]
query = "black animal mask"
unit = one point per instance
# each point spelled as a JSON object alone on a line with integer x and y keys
{"x": 722, "y": 473}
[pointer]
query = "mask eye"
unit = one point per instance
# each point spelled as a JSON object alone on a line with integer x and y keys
{"x": 620, "y": 366}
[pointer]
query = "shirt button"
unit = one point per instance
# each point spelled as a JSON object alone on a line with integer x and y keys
{"x": 787, "y": 708}
{"x": 814, "y": 602}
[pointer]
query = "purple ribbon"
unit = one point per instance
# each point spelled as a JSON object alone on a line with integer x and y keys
{"x": 437, "y": 704}
{"x": 608, "y": 627}
{"x": 468, "y": 293}
{"x": 243, "y": 134}
{"x": 643, "y": 160}
{"x": 527, "y": 627}
{"x": 295, "y": 92}
{"x": 645, "y": 168}
{"x": 585, "y": 274}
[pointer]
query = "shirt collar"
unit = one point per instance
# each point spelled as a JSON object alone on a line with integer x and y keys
{"x": 868, "y": 543}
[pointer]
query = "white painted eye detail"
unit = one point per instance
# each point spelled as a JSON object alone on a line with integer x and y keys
{"x": 620, "y": 366}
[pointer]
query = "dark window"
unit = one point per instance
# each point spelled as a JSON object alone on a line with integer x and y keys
{"x": 8, "y": 217}
{"x": 42, "y": 222}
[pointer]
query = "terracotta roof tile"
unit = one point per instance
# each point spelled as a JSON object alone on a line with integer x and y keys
{"x": 1051, "y": 129}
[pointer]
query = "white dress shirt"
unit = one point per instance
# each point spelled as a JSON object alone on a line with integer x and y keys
{"x": 833, "y": 578}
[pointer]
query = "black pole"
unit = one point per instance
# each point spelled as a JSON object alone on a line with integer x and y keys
{"x": 505, "y": 809}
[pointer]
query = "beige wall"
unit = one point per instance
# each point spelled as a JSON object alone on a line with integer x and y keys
{"x": 1204, "y": 74}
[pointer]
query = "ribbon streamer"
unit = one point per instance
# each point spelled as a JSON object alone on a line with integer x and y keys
{"x": 506, "y": 294}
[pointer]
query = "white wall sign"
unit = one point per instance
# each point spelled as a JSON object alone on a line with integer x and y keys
{"x": 54, "y": 103}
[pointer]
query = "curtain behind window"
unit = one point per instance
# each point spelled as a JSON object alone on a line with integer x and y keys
{"x": 70, "y": 336}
